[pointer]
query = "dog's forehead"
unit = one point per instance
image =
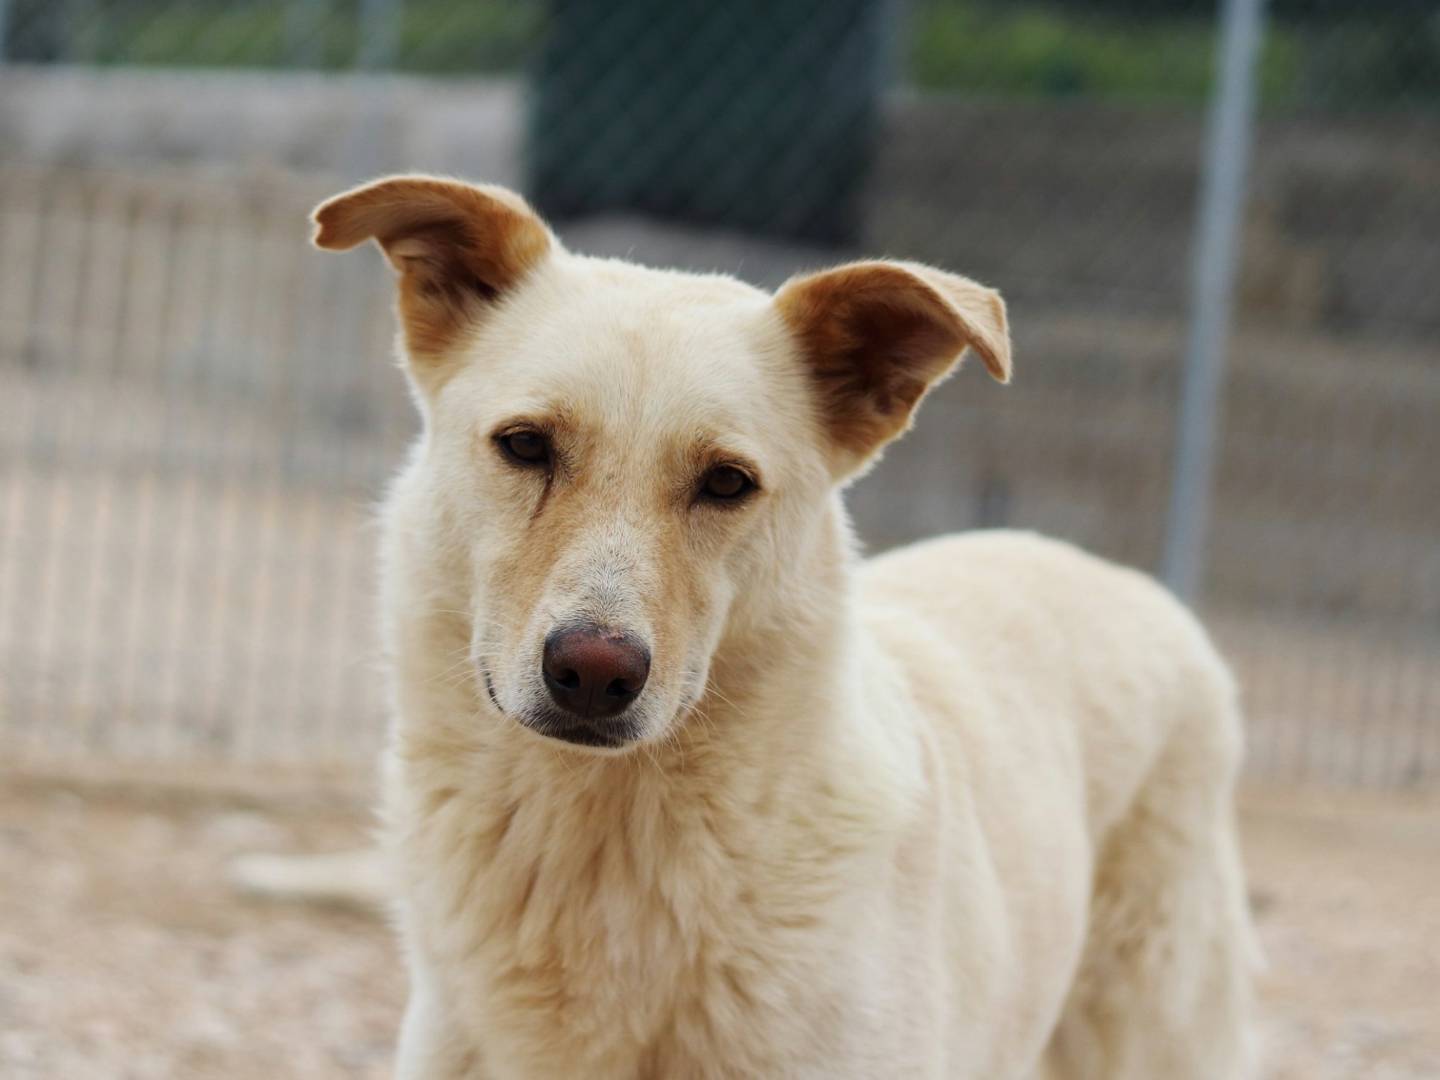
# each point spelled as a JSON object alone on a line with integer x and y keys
{"x": 639, "y": 350}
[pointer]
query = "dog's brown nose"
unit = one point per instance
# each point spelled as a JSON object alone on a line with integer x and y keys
{"x": 594, "y": 673}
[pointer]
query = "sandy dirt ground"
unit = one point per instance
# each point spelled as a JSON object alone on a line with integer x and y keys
{"x": 124, "y": 953}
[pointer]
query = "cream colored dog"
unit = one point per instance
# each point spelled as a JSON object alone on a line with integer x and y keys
{"x": 678, "y": 786}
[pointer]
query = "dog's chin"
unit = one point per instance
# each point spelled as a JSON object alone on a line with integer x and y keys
{"x": 606, "y": 738}
{"x": 609, "y": 737}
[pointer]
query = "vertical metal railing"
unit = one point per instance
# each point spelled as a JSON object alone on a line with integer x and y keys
{"x": 1217, "y": 234}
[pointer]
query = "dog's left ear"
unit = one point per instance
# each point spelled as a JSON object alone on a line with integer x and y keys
{"x": 457, "y": 247}
{"x": 877, "y": 335}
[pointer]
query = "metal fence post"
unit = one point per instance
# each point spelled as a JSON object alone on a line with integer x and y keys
{"x": 1217, "y": 229}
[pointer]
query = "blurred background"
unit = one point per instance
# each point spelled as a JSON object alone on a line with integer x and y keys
{"x": 1218, "y": 228}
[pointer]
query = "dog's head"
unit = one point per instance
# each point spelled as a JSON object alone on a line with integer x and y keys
{"x": 629, "y": 462}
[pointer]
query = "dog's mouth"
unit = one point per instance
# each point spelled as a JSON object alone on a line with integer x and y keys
{"x": 608, "y": 737}
{"x": 615, "y": 733}
{"x": 490, "y": 690}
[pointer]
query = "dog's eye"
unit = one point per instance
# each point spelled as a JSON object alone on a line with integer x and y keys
{"x": 726, "y": 483}
{"x": 524, "y": 447}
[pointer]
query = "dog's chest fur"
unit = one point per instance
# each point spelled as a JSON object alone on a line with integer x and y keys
{"x": 613, "y": 918}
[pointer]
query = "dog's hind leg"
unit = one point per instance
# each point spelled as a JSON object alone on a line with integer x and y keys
{"x": 1165, "y": 985}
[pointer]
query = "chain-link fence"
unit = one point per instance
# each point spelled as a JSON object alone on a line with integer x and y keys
{"x": 195, "y": 410}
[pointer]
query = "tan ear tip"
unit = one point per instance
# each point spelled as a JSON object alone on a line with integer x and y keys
{"x": 328, "y": 235}
{"x": 997, "y": 364}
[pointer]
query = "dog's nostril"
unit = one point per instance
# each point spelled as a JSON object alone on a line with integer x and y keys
{"x": 619, "y": 688}
{"x": 569, "y": 679}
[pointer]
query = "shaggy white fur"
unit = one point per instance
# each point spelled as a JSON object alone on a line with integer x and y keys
{"x": 960, "y": 811}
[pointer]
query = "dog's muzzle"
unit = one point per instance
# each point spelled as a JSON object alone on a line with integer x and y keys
{"x": 594, "y": 674}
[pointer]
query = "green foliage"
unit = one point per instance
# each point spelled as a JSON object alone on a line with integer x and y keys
{"x": 1055, "y": 51}
{"x": 1331, "y": 53}
{"x": 445, "y": 37}
{"x": 435, "y": 36}
{"x": 1322, "y": 52}
{"x": 235, "y": 35}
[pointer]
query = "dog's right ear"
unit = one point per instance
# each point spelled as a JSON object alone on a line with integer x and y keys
{"x": 876, "y": 336}
{"x": 457, "y": 248}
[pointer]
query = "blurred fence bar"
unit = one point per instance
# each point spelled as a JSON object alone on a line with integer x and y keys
{"x": 1222, "y": 199}
{"x": 197, "y": 410}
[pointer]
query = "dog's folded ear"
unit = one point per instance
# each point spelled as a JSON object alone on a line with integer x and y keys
{"x": 877, "y": 335}
{"x": 457, "y": 247}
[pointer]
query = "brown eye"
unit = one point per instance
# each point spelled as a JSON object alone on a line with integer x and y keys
{"x": 726, "y": 483}
{"x": 525, "y": 447}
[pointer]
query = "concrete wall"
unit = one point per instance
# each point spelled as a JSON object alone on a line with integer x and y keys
{"x": 1068, "y": 203}
{"x": 346, "y": 126}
